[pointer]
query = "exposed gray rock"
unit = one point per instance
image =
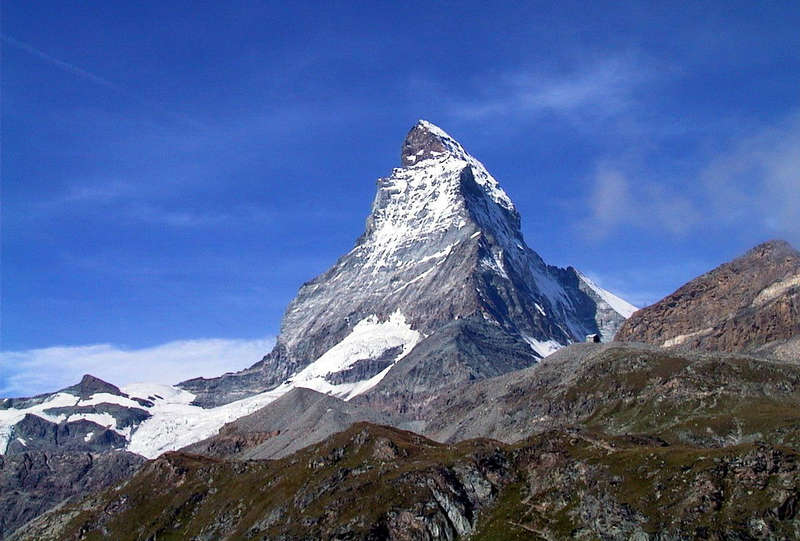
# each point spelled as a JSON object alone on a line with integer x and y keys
{"x": 35, "y": 433}
{"x": 459, "y": 352}
{"x": 90, "y": 385}
{"x": 124, "y": 417}
{"x": 35, "y": 481}
{"x": 442, "y": 243}
{"x": 299, "y": 418}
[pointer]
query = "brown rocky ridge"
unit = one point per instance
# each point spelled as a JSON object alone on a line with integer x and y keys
{"x": 749, "y": 304}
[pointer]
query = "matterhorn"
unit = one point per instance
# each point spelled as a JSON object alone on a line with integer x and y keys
{"x": 441, "y": 262}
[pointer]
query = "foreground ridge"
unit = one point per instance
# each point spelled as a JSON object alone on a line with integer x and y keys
{"x": 373, "y": 482}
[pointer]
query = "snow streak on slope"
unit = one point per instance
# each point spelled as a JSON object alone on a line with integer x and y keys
{"x": 624, "y": 308}
{"x": 368, "y": 340}
{"x": 175, "y": 422}
{"x": 10, "y": 417}
{"x": 543, "y": 348}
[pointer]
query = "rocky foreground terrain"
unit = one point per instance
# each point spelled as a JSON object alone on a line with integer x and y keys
{"x": 35, "y": 481}
{"x": 617, "y": 442}
{"x": 375, "y": 482}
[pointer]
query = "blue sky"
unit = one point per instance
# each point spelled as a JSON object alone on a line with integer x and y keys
{"x": 172, "y": 172}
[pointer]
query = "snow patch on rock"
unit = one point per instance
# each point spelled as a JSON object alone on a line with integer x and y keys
{"x": 368, "y": 340}
{"x": 621, "y": 306}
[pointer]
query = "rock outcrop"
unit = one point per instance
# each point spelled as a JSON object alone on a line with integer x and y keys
{"x": 35, "y": 481}
{"x": 749, "y": 304}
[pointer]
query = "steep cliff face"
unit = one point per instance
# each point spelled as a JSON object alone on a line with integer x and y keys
{"x": 442, "y": 243}
{"x": 751, "y": 303}
{"x": 35, "y": 481}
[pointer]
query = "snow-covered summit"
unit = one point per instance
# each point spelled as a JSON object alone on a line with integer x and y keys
{"x": 442, "y": 242}
{"x": 426, "y": 141}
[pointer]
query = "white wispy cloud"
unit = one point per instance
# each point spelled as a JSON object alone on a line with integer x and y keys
{"x": 600, "y": 89}
{"x": 754, "y": 180}
{"x": 618, "y": 201}
{"x": 759, "y": 178}
{"x": 35, "y": 371}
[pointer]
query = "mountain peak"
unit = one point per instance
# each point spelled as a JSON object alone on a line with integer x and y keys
{"x": 426, "y": 140}
{"x": 90, "y": 385}
{"x": 772, "y": 249}
{"x": 442, "y": 243}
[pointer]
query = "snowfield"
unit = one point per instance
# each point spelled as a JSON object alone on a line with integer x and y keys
{"x": 175, "y": 422}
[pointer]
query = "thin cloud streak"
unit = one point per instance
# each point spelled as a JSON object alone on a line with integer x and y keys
{"x": 97, "y": 79}
{"x": 615, "y": 201}
{"x": 48, "y": 369}
{"x": 66, "y": 66}
{"x": 760, "y": 177}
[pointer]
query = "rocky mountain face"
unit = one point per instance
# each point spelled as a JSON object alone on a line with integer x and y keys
{"x": 751, "y": 303}
{"x": 34, "y": 481}
{"x": 442, "y": 243}
{"x": 462, "y": 351}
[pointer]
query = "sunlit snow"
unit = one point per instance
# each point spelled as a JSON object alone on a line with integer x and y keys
{"x": 175, "y": 422}
{"x": 622, "y": 307}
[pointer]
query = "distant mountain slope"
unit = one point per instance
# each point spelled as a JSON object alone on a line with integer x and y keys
{"x": 299, "y": 418}
{"x": 751, "y": 303}
{"x": 683, "y": 397}
{"x": 90, "y": 416}
{"x": 442, "y": 243}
